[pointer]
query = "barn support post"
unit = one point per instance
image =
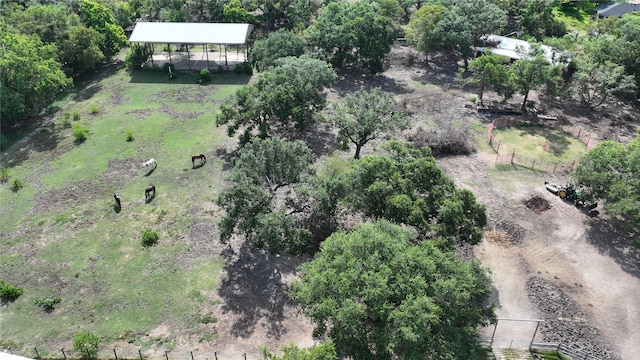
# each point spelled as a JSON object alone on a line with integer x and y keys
{"x": 494, "y": 333}
{"x": 226, "y": 64}
{"x": 152, "y": 51}
{"x": 188, "y": 56}
{"x": 169, "y": 46}
{"x": 206, "y": 51}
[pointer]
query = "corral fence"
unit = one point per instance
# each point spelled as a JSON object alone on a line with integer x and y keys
{"x": 508, "y": 155}
{"x": 114, "y": 354}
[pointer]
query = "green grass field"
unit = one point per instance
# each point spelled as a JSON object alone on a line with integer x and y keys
{"x": 540, "y": 143}
{"x": 60, "y": 235}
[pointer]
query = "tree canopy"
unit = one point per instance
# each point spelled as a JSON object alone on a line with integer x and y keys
{"x": 365, "y": 116}
{"x": 611, "y": 172}
{"x": 289, "y": 93}
{"x": 353, "y": 34}
{"x": 30, "y": 75}
{"x": 378, "y": 293}
{"x": 534, "y": 71}
{"x": 420, "y": 30}
{"x": 277, "y": 45}
{"x": 406, "y": 186}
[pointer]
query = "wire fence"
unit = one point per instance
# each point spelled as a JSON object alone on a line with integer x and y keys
{"x": 508, "y": 155}
{"x": 114, "y": 354}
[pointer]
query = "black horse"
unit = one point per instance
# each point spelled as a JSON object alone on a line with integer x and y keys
{"x": 149, "y": 193}
{"x": 117, "y": 198}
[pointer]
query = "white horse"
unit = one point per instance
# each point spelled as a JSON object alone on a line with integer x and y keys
{"x": 151, "y": 163}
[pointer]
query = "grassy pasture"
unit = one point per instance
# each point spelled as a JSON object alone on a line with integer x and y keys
{"x": 540, "y": 143}
{"x": 61, "y": 235}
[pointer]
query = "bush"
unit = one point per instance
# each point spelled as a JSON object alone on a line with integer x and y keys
{"x": 94, "y": 109}
{"x": 243, "y": 68}
{"x": 149, "y": 238}
{"x": 80, "y": 132}
{"x": 76, "y": 115}
{"x": 47, "y": 303}
{"x": 445, "y": 139}
{"x": 9, "y": 292}
{"x": 136, "y": 57}
{"x": 130, "y": 136}
{"x": 87, "y": 345}
{"x": 17, "y": 185}
{"x": 4, "y": 174}
{"x": 474, "y": 99}
{"x": 205, "y": 76}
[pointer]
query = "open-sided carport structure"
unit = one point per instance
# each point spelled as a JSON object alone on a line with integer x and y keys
{"x": 150, "y": 33}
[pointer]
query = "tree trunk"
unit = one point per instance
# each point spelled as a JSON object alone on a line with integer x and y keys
{"x": 358, "y": 148}
{"x": 524, "y": 103}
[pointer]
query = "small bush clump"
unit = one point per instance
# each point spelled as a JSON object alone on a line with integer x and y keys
{"x": 87, "y": 345}
{"x": 47, "y": 303}
{"x": 243, "y": 68}
{"x": 204, "y": 77}
{"x": 80, "y": 132}
{"x": 17, "y": 185}
{"x": 9, "y": 292}
{"x": 149, "y": 237}
{"x": 76, "y": 115}
{"x": 4, "y": 174}
{"x": 94, "y": 109}
{"x": 130, "y": 136}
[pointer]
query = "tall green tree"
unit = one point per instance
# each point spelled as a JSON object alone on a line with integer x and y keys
{"x": 287, "y": 94}
{"x": 486, "y": 70}
{"x": 353, "y": 34}
{"x": 611, "y": 172}
{"x": 464, "y": 22}
{"x": 534, "y": 71}
{"x": 81, "y": 51}
{"x": 255, "y": 205}
{"x": 380, "y": 294}
{"x": 30, "y": 76}
{"x": 538, "y": 20}
{"x": 365, "y": 116}
{"x": 234, "y": 12}
{"x": 420, "y": 30}
{"x": 324, "y": 351}
{"x": 406, "y": 186}
{"x": 100, "y": 18}
{"x": 277, "y": 45}
{"x": 595, "y": 82}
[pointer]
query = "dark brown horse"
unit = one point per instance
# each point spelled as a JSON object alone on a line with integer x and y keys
{"x": 115, "y": 196}
{"x": 201, "y": 157}
{"x": 149, "y": 193}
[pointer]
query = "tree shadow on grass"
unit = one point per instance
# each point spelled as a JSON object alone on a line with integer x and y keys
{"x": 187, "y": 77}
{"x": 611, "y": 240}
{"x": 255, "y": 289}
{"x": 40, "y": 139}
{"x": 351, "y": 79}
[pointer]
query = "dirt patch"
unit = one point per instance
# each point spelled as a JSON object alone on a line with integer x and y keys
{"x": 537, "y": 204}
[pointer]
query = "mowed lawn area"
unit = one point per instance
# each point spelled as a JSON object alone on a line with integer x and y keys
{"x": 61, "y": 235}
{"x": 541, "y": 143}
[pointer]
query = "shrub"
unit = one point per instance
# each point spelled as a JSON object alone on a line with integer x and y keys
{"x": 130, "y": 136}
{"x": 149, "y": 237}
{"x": 205, "y": 76}
{"x": 4, "y": 174}
{"x": 76, "y": 115}
{"x": 80, "y": 132}
{"x": 474, "y": 99}
{"x": 445, "y": 139}
{"x": 87, "y": 345}
{"x": 243, "y": 68}
{"x": 17, "y": 185}
{"x": 94, "y": 109}
{"x": 47, "y": 303}
{"x": 9, "y": 292}
{"x": 136, "y": 57}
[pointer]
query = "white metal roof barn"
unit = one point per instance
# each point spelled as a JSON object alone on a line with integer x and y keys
{"x": 187, "y": 35}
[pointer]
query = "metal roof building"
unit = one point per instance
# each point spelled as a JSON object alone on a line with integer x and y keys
{"x": 516, "y": 48}
{"x": 189, "y": 34}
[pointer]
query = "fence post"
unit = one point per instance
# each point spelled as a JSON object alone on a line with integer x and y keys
{"x": 512, "y": 156}
{"x": 533, "y": 164}
{"x": 191, "y": 354}
{"x": 166, "y": 355}
{"x": 114, "y": 353}
{"x": 498, "y": 149}
{"x": 245, "y": 356}
{"x": 139, "y": 353}
{"x": 63, "y": 354}
{"x": 554, "y": 167}
{"x": 37, "y": 355}
{"x": 215, "y": 354}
